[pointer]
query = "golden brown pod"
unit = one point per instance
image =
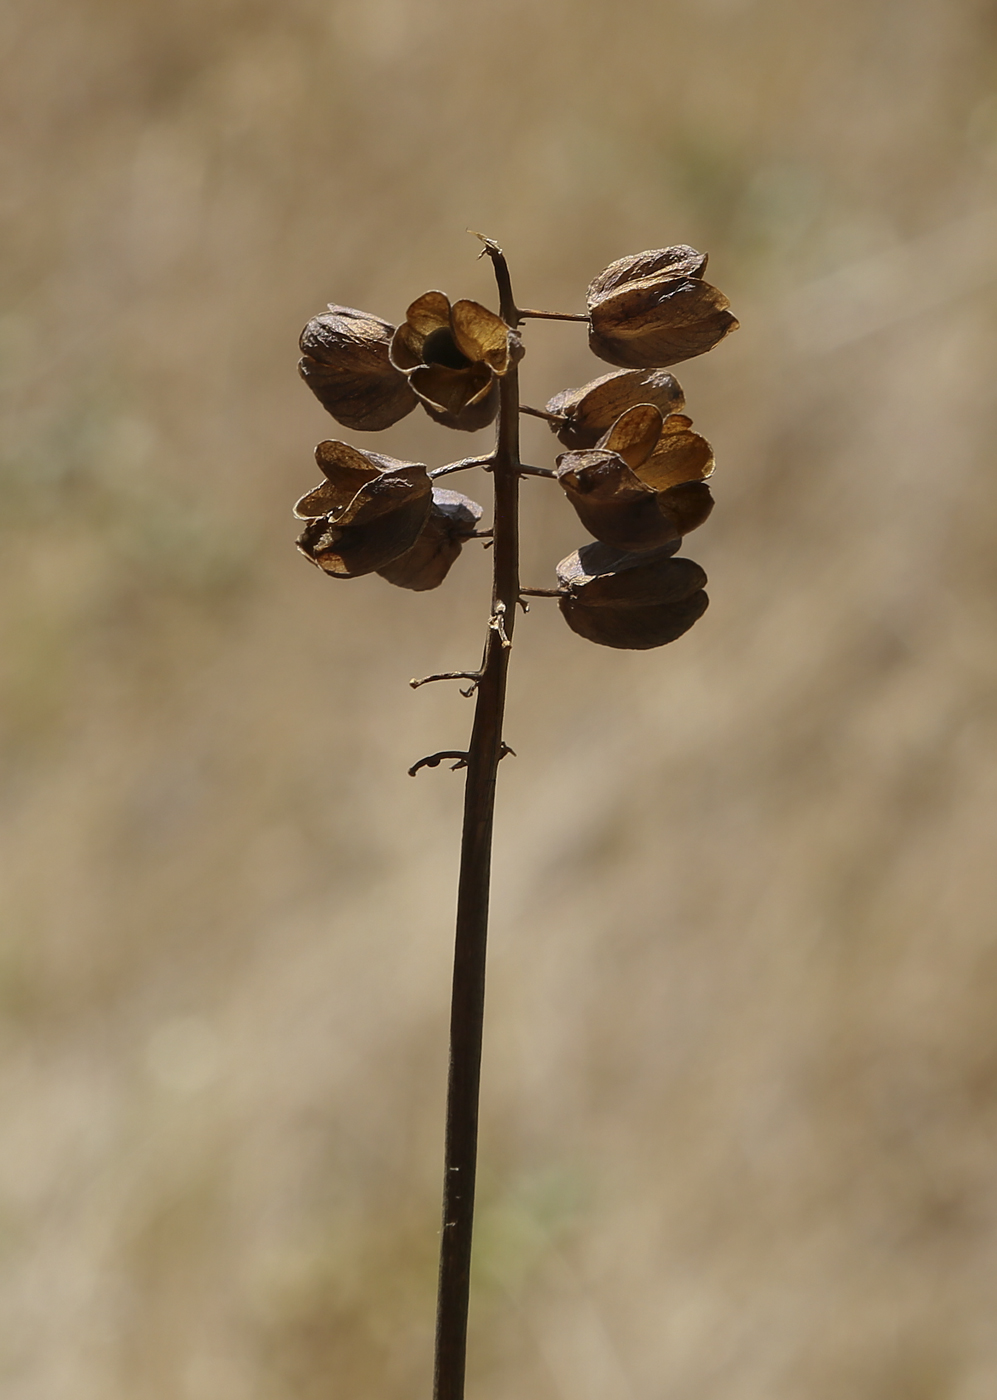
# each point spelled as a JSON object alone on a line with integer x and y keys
{"x": 368, "y": 511}
{"x": 590, "y": 411}
{"x": 453, "y": 357}
{"x": 653, "y": 309}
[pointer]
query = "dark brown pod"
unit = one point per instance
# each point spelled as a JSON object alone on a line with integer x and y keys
{"x": 630, "y": 601}
{"x": 612, "y": 503}
{"x": 345, "y": 364}
{"x": 653, "y": 309}
{"x": 634, "y": 629}
{"x": 452, "y": 520}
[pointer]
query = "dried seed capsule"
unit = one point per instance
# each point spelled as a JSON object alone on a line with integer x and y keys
{"x": 368, "y": 511}
{"x": 653, "y": 309}
{"x": 630, "y": 601}
{"x": 644, "y": 484}
{"x": 345, "y": 364}
{"x": 452, "y": 519}
{"x": 453, "y": 358}
{"x": 589, "y": 411}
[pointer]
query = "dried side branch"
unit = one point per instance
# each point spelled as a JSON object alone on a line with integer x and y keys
{"x": 435, "y": 759}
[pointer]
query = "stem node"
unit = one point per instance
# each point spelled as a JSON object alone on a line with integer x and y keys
{"x": 497, "y": 624}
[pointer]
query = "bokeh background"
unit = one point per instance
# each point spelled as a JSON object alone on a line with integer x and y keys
{"x": 738, "y": 1134}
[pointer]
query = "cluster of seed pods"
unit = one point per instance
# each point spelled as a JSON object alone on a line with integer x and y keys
{"x": 634, "y": 470}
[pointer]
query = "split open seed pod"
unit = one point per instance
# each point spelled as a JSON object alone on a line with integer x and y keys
{"x": 345, "y": 364}
{"x": 368, "y": 511}
{"x": 590, "y": 411}
{"x": 453, "y": 358}
{"x": 653, "y": 309}
{"x": 452, "y": 520}
{"x": 630, "y": 601}
{"x": 644, "y": 484}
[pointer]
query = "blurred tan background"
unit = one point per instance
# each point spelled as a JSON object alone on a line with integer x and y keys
{"x": 741, "y": 1057}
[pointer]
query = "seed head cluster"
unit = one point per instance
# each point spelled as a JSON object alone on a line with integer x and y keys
{"x": 634, "y": 470}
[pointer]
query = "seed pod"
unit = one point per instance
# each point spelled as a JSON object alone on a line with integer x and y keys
{"x": 452, "y": 519}
{"x": 653, "y": 309}
{"x": 643, "y": 485}
{"x": 345, "y": 364}
{"x": 591, "y": 410}
{"x": 453, "y": 357}
{"x": 368, "y": 511}
{"x": 630, "y": 601}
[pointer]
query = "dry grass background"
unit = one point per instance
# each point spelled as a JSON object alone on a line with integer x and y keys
{"x": 741, "y": 1057}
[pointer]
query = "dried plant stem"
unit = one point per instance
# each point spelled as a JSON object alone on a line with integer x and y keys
{"x": 468, "y": 1003}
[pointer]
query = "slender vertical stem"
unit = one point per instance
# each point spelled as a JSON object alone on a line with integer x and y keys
{"x": 468, "y": 1003}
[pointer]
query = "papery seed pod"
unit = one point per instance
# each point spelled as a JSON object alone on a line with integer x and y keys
{"x": 345, "y": 364}
{"x": 643, "y": 485}
{"x": 630, "y": 601}
{"x": 368, "y": 511}
{"x": 678, "y": 261}
{"x": 452, "y": 520}
{"x": 653, "y": 309}
{"x": 453, "y": 357}
{"x": 589, "y": 411}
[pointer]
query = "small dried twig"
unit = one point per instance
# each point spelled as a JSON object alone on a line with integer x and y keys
{"x": 497, "y": 624}
{"x": 465, "y": 464}
{"x": 435, "y": 759}
{"x": 542, "y": 413}
{"x": 446, "y": 676}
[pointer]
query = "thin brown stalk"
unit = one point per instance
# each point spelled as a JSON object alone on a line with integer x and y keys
{"x": 485, "y": 750}
{"x": 550, "y": 315}
{"x": 542, "y": 413}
